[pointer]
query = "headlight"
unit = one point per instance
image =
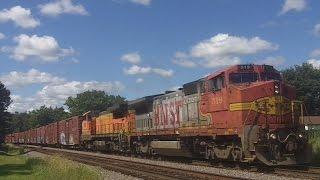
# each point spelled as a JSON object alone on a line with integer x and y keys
{"x": 273, "y": 136}
{"x": 300, "y": 136}
{"x": 276, "y": 88}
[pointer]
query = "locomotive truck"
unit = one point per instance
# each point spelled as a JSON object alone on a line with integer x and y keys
{"x": 244, "y": 113}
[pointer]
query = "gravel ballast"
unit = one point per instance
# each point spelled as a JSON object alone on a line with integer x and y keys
{"x": 228, "y": 172}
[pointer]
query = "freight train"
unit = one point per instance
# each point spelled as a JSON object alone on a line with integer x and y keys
{"x": 244, "y": 113}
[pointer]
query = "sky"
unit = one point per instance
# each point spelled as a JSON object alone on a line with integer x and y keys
{"x": 53, "y": 49}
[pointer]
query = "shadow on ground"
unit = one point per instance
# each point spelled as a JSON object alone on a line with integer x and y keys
{"x": 19, "y": 169}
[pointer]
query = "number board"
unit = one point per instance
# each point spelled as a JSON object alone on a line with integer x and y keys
{"x": 246, "y": 67}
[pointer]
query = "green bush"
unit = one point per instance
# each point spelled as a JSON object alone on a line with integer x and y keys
{"x": 12, "y": 149}
{"x": 315, "y": 143}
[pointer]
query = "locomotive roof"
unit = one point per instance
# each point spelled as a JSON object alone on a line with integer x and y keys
{"x": 236, "y": 67}
{"x": 145, "y": 99}
{"x": 169, "y": 95}
{"x": 193, "y": 82}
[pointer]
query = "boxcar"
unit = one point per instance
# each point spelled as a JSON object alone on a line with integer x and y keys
{"x": 33, "y": 136}
{"x": 21, "y": 137}
{"x": 63, "y": 132}
{"x": 38, "y": 135}
{"x": 42, "y": 134}
{"x": 52, "y": 134}
{"x": 15, "y": 138}
{"x": 69, "y": 131}
{"x": 28, "y": 136}
{"x": 7, "y": 138}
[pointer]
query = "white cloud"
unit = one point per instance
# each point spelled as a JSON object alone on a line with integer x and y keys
{"x": 142, "y": 2}
{"x": 22, "y": 104}
{"x": 184, "y": 63}
{"x": 133, "y": 70}
{"x": 53, "y": 95}
{"x": 316, "y": 30}
{"x": 133, "y": 58}
{"x": 33, "y": 76}
{"x": 62, "y": 7}
{"x": 64, "y": 90}
{"x": 182, "y": 59}
{"x": 44, "y": 48}
{"x": 139, "y": 80}
{"x": 55, "y": 90}
{"x": 315, "y": 53}
{"x": 19, "y": 16}
{"x": 274, "y": 61}
{"x": 220, "y": 61}
{"x": 163, "y": 72}
{"x": 315, "y": 63}
{"x": 223, "y": 45}
{"x": 2, "y": 36}
{"x": 223, "y": 49}
{"x": 293, "y": 5}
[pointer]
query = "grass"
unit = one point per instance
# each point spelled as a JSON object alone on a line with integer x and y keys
{"x": 11, "y": 149}
{"x": 315, "y": 143}
{"x": 15, "y": 166}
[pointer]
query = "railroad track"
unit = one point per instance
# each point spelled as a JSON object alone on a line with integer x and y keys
{"x": 303, "y": 172}
{"x": 149, "y": 171}
{"x": 297, "y": 171}
{"x": 137, "y": 169}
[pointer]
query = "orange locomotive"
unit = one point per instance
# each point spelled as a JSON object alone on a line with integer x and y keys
{"x": 244, "y": 113}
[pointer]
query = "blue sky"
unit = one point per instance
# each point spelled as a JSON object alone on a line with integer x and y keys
{"x": 54, "y": 49}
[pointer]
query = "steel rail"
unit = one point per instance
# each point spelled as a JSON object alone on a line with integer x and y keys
{"x": 137, "y": 169}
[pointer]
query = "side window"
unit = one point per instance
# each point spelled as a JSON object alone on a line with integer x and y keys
{"x": 202, "y": 87}
{"x": 217, "y": 83}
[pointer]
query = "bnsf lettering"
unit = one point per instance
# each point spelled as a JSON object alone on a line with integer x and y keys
{"x": 168, "y": 113}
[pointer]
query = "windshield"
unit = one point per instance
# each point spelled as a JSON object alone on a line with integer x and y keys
{"x": 270, "y": 76}
{"x": 243, "y": 77}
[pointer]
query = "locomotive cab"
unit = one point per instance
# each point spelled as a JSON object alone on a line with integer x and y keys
{"x": 254, "y": 114}
{"x": 270, "y": 117}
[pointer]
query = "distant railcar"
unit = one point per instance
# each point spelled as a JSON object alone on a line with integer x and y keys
{"x": 69, "y": 131}
{"x": 52, "y": 134}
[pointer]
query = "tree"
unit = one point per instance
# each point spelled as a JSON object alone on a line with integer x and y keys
{"x": 4, "y": 115}
{"x": 96, "y": 101}
{"x": 306, "y": 79}
{"x": 46, "y": 115}
{"x": 19, "y": 122}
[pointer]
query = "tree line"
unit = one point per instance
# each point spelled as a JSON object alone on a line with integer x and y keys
{"x": 305, "y": 78}
{"x": 96, "y": 101}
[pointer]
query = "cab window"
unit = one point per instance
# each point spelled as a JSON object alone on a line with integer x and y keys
{"x": 216, "y": 83}
{"x": 202, "y": 87}
{"x": 270, "y": 76}
{"x": 243, "y": 77}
